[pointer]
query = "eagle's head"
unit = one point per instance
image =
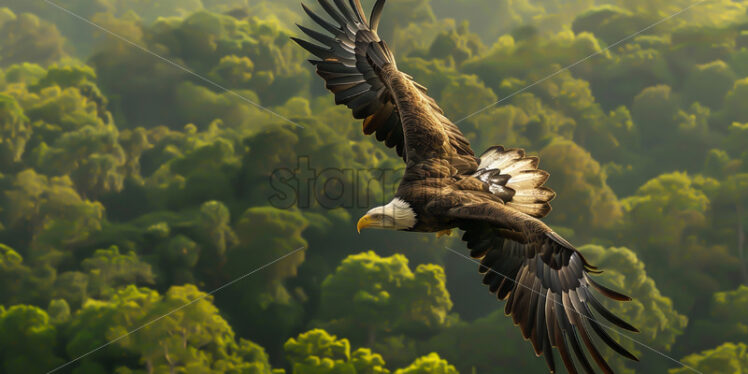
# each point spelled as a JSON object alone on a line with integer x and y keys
{"x": 397, "y": 215}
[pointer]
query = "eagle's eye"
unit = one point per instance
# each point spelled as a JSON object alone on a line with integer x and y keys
{"x": 383, "y": 219}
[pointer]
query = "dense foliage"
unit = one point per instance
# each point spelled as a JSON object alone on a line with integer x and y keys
{"x": 132, "y": 187}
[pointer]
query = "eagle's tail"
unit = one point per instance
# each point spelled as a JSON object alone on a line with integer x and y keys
{"x": 516, "y": 179}
{"x": 349, "y": 59}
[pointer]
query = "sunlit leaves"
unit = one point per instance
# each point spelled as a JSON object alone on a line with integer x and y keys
{"x": 728, "y": 358}
{"x": 108, "y": 268}
{"x": 384, "y": 297}
{"x": 193, "y": 335}
{"x": 28, "y": 340}
{"x": 318, "y": 352}
{"x": 58, "y": 215}
{"x": 15, "y": 131}
{"x": 430, "y": 364}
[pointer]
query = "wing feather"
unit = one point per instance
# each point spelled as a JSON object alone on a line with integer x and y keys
{"x": 352, "y": 57}
{"x": 505, "y": 170}
{"x": 546, "y": 284}
{"x": 376, "y": 14}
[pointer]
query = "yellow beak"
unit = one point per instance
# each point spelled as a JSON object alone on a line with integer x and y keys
{"x": 364, "y": 222}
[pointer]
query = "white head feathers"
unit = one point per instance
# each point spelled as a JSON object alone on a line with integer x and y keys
{"x": 396, "y": 215}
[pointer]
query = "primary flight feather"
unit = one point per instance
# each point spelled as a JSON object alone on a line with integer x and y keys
{"x": 497, "y": 199}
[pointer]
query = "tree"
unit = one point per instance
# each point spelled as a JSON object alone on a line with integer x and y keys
{"x": 728, "y": 358}
{"x": 28, "y": 340}
{"x": 531, "y": 59}
{"x": 72, "y": 287}
{"x": 654, "y": 111}
{"x": 662, "y": 222}
{"x": 457, "y": 44}
{"x": 15, "y": 130}
{"x": 709, "y": 83}
{"x": 58, "y": 311}
{"x": 210, "y": 44}
{"x": 203, "y": 172}
{"x": 430, "y": 364}
{"x": 609, "y": 23}
{"x": 729, "y": 204}
{"x": 734, "y": 111}
{"x": 316, "y": 351}
{"x": 61, "y": 126}
{"x": 265, "y": 234}
{"x": 29, "y": 39}
{"x": 25, "y": 72}
{"x": 215, "y": 221}
{"x": 725, "y": 321}
{"x": 664, "y": 207}
{"x": 642, "y": 63}
{"x": 193, "y": 336}
{"x": 465, "y": 95}
{"x": 606, "y": 136}
{"x": 97, "y": 166}
{"x": 369, "y": 297}
{"x": 485, "y": 343}
{"x": 586, "y": 201}
{"x": 21, "y": 282}
{"x": 55, "y": 215}
{"x": 108, "y": 269}
{"x": 178, "y": 256}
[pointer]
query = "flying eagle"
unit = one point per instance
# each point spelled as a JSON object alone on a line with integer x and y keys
{"x": 497, "y": 199}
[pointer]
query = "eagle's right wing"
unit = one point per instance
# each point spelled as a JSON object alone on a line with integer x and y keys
{"x": 545, "y": 281}
{"x": 348, "y": 61}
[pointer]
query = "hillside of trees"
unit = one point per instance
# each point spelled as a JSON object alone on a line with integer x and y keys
{"x": 131, "y": 187}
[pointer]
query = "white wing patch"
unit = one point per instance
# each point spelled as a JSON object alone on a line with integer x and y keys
{"x": 516, "y": 179}
{"x": 498, "y": 158}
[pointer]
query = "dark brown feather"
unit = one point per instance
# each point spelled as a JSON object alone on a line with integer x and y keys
{"x": 360, "y": 70}
{"x": 544, "y": 281}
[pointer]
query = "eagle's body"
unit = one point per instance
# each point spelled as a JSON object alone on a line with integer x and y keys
{"x": 497, "y": 199}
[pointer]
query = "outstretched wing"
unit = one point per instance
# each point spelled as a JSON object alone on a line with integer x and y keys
{"x": 350, "y": 57}
{"x": 545, "y": 281}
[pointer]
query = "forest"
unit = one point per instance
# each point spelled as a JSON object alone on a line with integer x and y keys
{"x": 142, "y": 228}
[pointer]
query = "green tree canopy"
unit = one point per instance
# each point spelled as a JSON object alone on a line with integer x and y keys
{"x": 728, "y": 358}
{"x": 430, "y": 364}
{"x": 28, "y": 340}
{"x": 192, "y": 336}
{"x": 588, "y": 202}
{"x": 725, "y": 321}
{"x": 56, "y": 212}
{"x": 108, "y": 269}
{"x": 316, "y": 351}
{"x": 15, "y": 130}
{"x": 370, "y": 296}
{"x": 29, "y": 39}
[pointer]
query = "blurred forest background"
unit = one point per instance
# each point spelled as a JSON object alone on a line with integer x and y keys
{"x": 130, "y": 187}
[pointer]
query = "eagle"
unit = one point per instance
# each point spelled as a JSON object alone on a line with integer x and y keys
{"x": 496, "y": 199}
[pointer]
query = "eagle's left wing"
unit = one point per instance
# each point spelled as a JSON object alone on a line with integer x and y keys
{"x": 350, "y": 56}
{"x": 545, "y": 281}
